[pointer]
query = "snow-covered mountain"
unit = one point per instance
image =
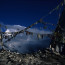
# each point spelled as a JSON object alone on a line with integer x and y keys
{"x": 26, "y": 43}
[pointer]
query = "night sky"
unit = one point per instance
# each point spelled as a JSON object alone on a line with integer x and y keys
{"x": 26, "y": 12}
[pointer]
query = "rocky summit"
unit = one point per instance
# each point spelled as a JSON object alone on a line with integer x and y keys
{"x": 37, "y": 58}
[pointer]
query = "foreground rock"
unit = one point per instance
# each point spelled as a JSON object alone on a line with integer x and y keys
{"x": 38, "y": 58}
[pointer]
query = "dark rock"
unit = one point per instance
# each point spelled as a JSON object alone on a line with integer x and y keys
{"x": 38, "y": 58}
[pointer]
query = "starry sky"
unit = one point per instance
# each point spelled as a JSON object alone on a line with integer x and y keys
{"x": 26, "y": 12}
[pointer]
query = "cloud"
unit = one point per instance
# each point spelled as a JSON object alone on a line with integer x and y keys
{"x": 27, "y": 43}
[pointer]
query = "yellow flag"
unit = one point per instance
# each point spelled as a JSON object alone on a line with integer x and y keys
{"x": 45, "y": 27}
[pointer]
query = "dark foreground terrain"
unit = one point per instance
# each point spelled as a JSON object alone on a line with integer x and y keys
{"x": 37, "y": 58}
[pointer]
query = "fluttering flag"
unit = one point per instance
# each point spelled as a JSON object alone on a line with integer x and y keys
{"x": 6, "y": 27}
{"x": 45, "y": 27}
{"x": 41, "y": 20}
{"x": 0, "y": 25}
{"x": 15, "y": 34}
{"x": 36, "y": 22}
{"x": 0, "y": 37}
{"x": 42, "y": 36}
{"x": 61, "y": 4}
{"x": 59, "y": 15}
{"x": 27, "y": 33}
{"x": 38, "y": 36}
{"x": 31, "y": 33}
{"x": 57, "y": 7}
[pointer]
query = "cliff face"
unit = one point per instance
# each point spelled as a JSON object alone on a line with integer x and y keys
{"x": 59, "y": 36}
{"x": 61, "y": 24}
{"x": 62, "y": 19}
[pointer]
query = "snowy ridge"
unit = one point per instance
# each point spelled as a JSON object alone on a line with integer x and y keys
{"x": 27, "y": 43}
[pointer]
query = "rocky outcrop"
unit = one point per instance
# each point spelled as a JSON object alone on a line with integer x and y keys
{"x": 37, "y": 58}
